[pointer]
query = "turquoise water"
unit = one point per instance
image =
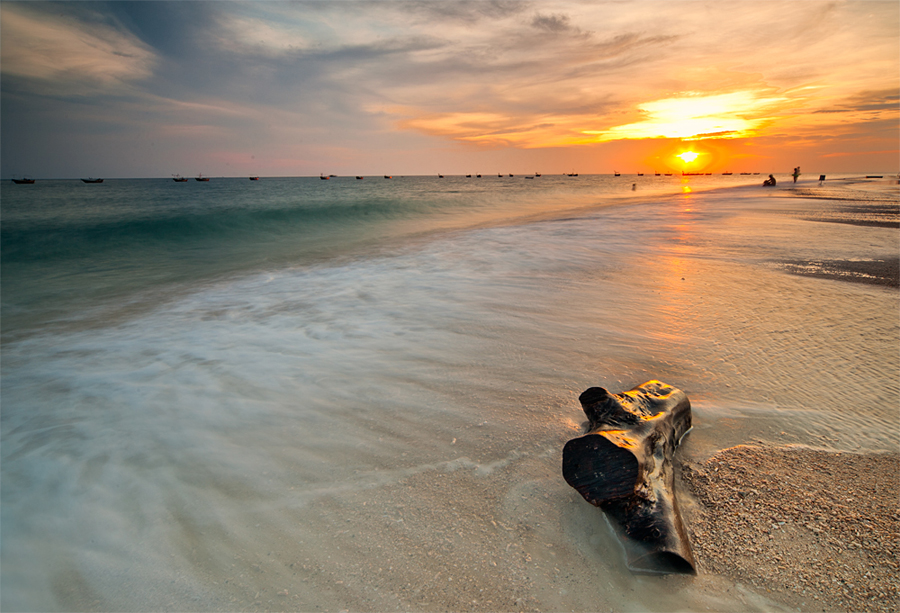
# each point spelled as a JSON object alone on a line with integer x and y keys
{"x": 68, "y": 247}
{"x": 314, "y": 395}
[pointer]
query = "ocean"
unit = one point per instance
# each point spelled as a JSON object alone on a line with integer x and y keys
{"x": 297, "y": 394}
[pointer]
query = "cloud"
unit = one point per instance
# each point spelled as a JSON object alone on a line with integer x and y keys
{"x": 884, "y": 100}
{"x": 695, "y": 117}
{"x": 68, "y": 56}
{"x": 551, "y": 23}
{"x": 317, "y": 78}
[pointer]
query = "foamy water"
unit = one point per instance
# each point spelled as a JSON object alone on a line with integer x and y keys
{"x": 385, "y": 432}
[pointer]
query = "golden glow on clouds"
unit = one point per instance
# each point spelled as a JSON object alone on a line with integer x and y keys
{"x": 487, "y": 129}
{"x": 696, "y": 117}
{"x": 747, "y": 83}
{"x": 689, "y": 117}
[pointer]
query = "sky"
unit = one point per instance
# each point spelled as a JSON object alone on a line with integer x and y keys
{"x": 152, "y": 89}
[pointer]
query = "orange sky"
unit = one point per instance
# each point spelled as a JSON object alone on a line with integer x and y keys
{"x": 146, "y": 89}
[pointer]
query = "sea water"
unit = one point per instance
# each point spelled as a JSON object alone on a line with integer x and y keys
{"x": 301, "y": 394}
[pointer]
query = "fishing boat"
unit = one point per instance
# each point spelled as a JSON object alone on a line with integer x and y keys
{"x": 440, "y": 176}
{"x": 93, "y": 180}
{"x": 537, "y": 174}
{"x": 575, "y": 174}
{"x": 510, "y": 174}
{"x": 358, "y": 178}
{"x": 23, "y": 181}
{"x": 201, "y": 178}
{"x": 254, "y": 178}
{"x": 616, "y": 173}
{"x": 323, "y": 177}
{"x": 179, "y": 179}
{"x": 388, "y": 177}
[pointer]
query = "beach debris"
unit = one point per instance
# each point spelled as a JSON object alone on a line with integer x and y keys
{"x": 624, "y": 465}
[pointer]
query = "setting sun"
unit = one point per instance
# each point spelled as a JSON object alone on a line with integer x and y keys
{"x": 688, "y": 156}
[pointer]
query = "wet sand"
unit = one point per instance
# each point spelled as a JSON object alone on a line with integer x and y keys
{"x": 857, "y": 203}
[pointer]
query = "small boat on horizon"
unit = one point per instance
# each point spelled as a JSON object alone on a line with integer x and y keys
{"x": 93, "y": 180}
{"x": 537, "y": 174}
{"x": 388, "y": 177}
{"x": 440, "y": 176}
{"x": 254, "y": 178}
{"x": 23, "y": 181}
{"x": 575, "y": 174}
{"x": 616, "y": 173}
{"x": 200, "y": 177}
{"x": 324, "y": 178}
{"x": 358, "y": 178}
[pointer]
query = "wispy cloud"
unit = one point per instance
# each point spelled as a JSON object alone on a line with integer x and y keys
{"x": 62, "y": 55}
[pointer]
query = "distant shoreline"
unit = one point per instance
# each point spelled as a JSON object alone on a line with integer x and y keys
{"x": 784, "y": 178}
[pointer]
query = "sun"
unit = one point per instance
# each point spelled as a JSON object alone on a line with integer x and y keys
{"x": 688, "y": 156}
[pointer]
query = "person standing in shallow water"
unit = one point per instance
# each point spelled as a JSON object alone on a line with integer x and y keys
{"x": 796, "y": 173}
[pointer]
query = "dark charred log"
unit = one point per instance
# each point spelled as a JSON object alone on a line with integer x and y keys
{"x": 624, "y": 465}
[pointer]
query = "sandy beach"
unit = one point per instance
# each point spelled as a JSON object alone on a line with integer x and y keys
{"x": 774, "y": 527}
{"x": 817, "y": 531}
{"x": 386, "y": 435}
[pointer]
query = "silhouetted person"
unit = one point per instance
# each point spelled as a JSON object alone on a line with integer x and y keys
{"x": 769, "y": 182}
{"x": 796, "y": 173}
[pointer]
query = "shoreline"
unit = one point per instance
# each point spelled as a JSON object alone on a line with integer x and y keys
{"x": 817, "y": 530}
{"x": 878, "y": 208}
{"x": 392, "y": 440}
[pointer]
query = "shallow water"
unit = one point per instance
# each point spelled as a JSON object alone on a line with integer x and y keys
{"x": 382, "y": 429}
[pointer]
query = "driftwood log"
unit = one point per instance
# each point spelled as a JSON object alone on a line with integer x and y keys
{"x": 624, "y": 465}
